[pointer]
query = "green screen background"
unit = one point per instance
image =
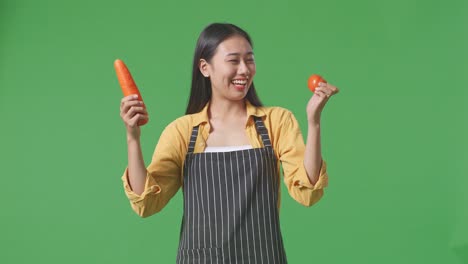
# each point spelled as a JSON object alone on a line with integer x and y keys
{"x": 394, "y": 137}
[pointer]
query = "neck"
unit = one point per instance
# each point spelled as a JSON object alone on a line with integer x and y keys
{"x": 226, "y": 109}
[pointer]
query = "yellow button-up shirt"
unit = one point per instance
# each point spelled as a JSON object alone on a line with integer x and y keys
{"x": 165, "y": 173}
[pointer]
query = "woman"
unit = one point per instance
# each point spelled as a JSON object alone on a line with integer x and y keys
{"x": 224, "y": 153}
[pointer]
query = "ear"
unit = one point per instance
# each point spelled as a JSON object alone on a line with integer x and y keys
{"x": 203, "y": 66}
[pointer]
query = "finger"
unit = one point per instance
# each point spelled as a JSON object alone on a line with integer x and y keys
{"x": 129, "y": 98}
{"x": 328, "y": 90}
{"x": 336, "y": 90}
{"x": 333, "y": 89}
{"x": 129, "y": 115}
{"x": 134, "y": 120}
{"x": 135, "y": 110}
{"x": 324, "y": 95}
{"x": 128, "y": 104}
{"x": 321, "y": 91}
{"x": 143, "y": 117}
{"x": 137, "y": 117}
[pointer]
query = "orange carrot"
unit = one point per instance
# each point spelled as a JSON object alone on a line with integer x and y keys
{"x": 127, "y": 83}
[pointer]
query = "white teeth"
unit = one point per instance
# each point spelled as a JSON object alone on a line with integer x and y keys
{"x": 239, "y": 82}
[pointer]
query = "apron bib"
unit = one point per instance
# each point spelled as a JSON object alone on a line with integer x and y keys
{"x": 230, "y": 206}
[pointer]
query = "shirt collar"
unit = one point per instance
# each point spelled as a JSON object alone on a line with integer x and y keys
{"x": 202, "y": 116}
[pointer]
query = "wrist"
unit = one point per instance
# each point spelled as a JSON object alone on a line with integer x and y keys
{"x": 313, "y": 118}
{"x": 131, "y": 139}
{"x": 313, "y": 124}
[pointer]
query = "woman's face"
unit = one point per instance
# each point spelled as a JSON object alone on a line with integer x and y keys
{"x": 231, "y": 70}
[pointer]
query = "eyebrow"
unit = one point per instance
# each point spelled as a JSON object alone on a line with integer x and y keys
{"x": 237, "y": 53}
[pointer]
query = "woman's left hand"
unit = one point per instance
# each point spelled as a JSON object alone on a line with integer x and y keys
{"x": 322, "y": 93}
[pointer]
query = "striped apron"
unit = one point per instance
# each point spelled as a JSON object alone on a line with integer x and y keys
{"x": 230, "y": 206}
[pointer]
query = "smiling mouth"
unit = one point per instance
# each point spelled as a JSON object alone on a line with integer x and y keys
{"x": 239, "y": 82}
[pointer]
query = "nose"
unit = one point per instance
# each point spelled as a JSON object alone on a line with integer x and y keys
{"x": 243, "y": 69}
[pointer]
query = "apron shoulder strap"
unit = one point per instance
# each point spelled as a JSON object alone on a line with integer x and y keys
{"x": 193, "y": 139}
{"x": 261, "y": 129}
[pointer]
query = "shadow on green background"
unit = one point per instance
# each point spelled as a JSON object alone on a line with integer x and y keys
{"x": 394, "y": 138}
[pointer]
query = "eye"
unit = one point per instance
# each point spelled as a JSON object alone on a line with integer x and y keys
{"x": 250, "y": 60}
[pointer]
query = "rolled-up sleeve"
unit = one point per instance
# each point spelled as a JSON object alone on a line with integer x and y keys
{"x": 291, "y": 148}
{"x": 163, "y": 178}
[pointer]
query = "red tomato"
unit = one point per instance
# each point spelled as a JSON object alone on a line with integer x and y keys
{"x": 314, "y": 80}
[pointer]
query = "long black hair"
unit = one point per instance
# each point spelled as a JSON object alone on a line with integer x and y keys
{"x": 210, "y": 38}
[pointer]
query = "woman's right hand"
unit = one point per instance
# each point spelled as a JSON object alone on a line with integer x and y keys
{"x": 131, "y": 111}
